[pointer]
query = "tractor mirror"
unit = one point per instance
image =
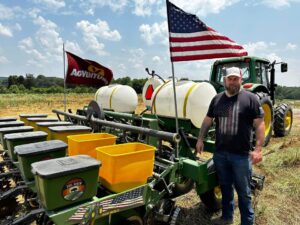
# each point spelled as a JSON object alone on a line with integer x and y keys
{"x": 284, "y": 67}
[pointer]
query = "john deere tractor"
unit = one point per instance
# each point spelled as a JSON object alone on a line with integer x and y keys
{"x": 259, "y": 78}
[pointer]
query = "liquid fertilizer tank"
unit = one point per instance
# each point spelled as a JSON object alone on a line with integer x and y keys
{"x": 193, "y": 100}
{"x": 117, "y": 97}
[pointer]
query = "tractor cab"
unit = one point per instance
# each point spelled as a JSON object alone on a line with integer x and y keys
{"x": 255, "y": 72}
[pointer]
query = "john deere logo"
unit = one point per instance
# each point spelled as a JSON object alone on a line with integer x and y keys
{"x": 73, "y": 189}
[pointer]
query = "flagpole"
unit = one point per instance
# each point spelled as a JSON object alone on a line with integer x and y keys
{"x": 174, "y": 89}
{"x": 65, "y": 92}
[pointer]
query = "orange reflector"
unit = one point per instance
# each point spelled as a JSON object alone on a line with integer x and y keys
{"x": 149, "y": 92}
{"x": 247, "y": 85}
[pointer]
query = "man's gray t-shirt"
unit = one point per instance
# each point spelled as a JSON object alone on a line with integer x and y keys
{"x": 234, "y": 120}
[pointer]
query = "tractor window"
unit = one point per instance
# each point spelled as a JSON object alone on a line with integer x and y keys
{"x": 244, "y": 66}
{"x": 261, "y": 73}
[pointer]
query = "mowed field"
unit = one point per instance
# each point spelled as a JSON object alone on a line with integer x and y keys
{"x": 277, "y": 204}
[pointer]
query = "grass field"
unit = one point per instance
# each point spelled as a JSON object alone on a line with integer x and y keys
{"x": 277, "y": 204}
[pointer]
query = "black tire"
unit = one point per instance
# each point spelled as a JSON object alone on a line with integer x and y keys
{"x": 212, "y": 199}
{"x": 185, "y": 186}
{"x": 267, "y": 106}
{"x": 283, "y": 120}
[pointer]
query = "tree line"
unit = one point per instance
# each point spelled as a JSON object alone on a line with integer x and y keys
{"x": 41, "y": 84}
{"x": 45, "y": 85}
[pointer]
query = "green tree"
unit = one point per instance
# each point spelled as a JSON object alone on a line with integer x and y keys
{"x": 12, "y": 80}
{"x": 3, "y": 90}
{"x": 138, "y": 84}
{"x": 21, "y": 80}
{"x": 14, "y": 89}
{"x": 29, "y": 81}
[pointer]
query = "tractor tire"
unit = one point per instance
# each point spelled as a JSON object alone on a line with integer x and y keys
{"x": 212, "y": 199}
{"x": 266, "y": 104}
{"x": 283, "y": 120}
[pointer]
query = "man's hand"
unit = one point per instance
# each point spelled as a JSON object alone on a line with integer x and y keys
{"x": 207, "y": 122}
{"x": 256, "y": 155}
{"x": 200, "y": 146}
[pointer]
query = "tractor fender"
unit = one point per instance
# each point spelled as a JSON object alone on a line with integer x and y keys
{"x": 254, "y": 88}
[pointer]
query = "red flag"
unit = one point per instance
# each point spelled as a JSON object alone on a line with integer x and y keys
{"x": 191, "y": 39}
{"x": 86, "y": 72}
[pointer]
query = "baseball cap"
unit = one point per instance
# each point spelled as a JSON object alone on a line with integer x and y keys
{"x": 233, "y": 71}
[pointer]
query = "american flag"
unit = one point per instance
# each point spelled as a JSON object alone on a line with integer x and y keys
{"x": 191, "y": 39}
{"x": 126, "y": 200}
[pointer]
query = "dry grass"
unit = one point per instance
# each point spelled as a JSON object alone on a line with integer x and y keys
{"x": 14, "y": 104}
{"x": 277, "y": 204}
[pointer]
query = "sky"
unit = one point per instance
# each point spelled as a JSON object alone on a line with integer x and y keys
{"x": 129, "y": 35}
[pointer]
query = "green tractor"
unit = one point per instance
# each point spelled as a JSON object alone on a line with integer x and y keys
{"x": 259, "y": 78}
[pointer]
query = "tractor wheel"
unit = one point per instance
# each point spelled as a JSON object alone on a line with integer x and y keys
{"x": 266, "y": 104}
{"x": 212, "y": 199}
{"x": 283, "y": 120}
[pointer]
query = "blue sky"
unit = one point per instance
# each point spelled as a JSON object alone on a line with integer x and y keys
{"x": 129, "y": 35}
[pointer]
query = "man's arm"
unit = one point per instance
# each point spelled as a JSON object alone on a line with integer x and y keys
{"x": 206, "y": 124}
{"x": 259, "y": 126}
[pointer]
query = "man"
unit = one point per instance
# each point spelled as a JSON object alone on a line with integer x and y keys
{"x": 235, "y": 111}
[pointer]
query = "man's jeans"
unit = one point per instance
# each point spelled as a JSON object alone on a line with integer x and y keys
{"x": 235, "y": 170}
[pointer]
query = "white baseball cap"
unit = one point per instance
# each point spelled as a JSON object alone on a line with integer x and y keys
{"x": 233, "y": 71}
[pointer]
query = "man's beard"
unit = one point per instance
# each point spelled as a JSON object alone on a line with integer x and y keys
{"x": 232, "y": 89}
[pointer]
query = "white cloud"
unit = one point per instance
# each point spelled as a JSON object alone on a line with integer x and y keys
{"x": 156, "y": 59}
{"x": 273, "y": 56}
{"x": 291, "y": 46}
{"x": 276, "y": 3}
{"x": 48, "y": 37}
{"x": 17, "y": 27}
{"x": 136, "y": 58}
{"x": 204, "y": 7}
{"x": 3, "y": 59}
{"x": 92, "y": 33}
{"x": 149, "y": 7}
{"x": 154, "y": 33}
{"x": 254, "y": 48}
{"x": 34, "y": 12}
{"x": 27, "y": 46}
{"x": 5, "y": 31}
{"x": 8, "y": 12}
{"x": 46, "y": 47}
{"x": 51, "y": 4}
{"x": 136, "y": 55}
{"x": 101, "y": 30}
{"x": 121, "y": 68}
{"x": 89, "y": 6}
{"x": 201, "y": 8}
{"x": 26, "y": 43}
{"x": 73, "y": 47}
{"x": 144, "y": 7}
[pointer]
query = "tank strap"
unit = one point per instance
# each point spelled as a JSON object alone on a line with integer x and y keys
{"x": 153, "y": 108}
{"x": 110, "y": 98}
{"x": 186, "y": 98}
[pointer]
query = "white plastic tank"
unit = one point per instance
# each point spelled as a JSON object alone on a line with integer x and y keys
{"x": 149, "y": 88}
{"x": 193, "y": 100}
{"x": 117, "y": 97}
